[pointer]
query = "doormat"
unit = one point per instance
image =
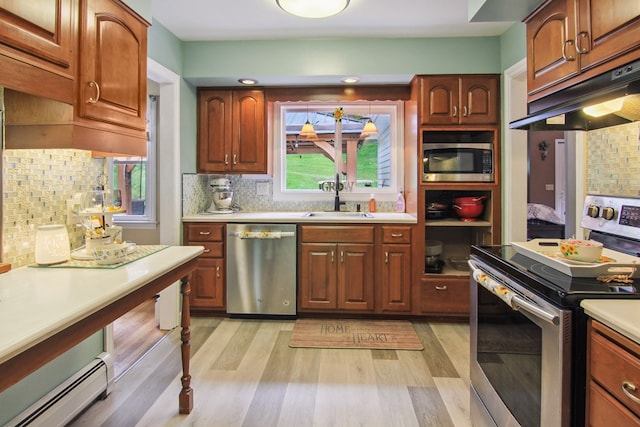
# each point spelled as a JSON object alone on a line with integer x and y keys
{"x": 365, "y": 334}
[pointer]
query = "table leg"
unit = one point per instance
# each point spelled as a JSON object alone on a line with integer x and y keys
{"x": 186, "y": 394}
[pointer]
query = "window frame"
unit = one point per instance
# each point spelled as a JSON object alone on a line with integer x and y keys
{"x": 366, "y": 108}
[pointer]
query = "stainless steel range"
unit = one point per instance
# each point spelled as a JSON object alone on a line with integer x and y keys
{"x": 528, "y": 332}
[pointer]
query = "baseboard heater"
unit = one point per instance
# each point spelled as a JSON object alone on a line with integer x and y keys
{"x": 63, "y": 403}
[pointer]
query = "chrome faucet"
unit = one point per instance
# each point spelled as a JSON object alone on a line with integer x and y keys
{"x": 336, "y": 200}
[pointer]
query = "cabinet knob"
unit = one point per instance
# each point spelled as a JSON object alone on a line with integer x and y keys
{"x": 583, "y": 36}
{"x": 628, "y": 388}
{"x": 95, "y": 85}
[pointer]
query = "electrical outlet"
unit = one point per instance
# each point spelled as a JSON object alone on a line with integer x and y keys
{"x": 262, "y": 188}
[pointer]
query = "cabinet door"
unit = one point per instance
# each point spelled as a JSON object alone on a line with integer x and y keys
{"x": 317, "y": 284}
{"x": 479, "y": 100}
{"x": 439, "y": 100}
{"x": 606, "y": 29}
{"x": 214, "y": 130}
{"x": 207, "y": 284}
{"x": 40, "y": 29}
{"x": 551, "y": 51}
{"x": 248, "y": 132}
{"x": 355, "y": 277}
{"x": 395, "y": 289}
{"x": 113, "y": 65}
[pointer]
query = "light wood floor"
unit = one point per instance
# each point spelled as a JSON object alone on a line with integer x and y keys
{"x": 245, "y": 374}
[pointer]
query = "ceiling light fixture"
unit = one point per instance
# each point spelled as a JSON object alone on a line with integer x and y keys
{"x": 248, "y": 82}
{"x": 350, "y": 80}
{"x": 313, "y": 8}
{"x": 307, "y": 131}
{"x": 369, "y": 128}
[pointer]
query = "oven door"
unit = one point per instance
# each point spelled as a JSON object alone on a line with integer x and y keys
{"x": 520, "y": 354}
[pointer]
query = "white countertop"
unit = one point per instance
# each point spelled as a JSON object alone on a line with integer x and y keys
{"x": 299, "y": 217}
{"x": 622, "y": 316}
{"x": 36, "y": 303}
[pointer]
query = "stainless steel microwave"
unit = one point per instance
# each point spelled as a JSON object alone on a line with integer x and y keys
{"x": 457, "y": 162}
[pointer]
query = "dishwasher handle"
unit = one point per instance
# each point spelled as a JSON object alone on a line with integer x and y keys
{"x": 264, "y": 235}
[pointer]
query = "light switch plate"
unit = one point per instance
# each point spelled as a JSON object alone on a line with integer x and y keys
{"x": 262, "y": 188}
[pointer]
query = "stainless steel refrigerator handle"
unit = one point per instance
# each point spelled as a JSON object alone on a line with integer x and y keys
{"x": 518, "y": 303}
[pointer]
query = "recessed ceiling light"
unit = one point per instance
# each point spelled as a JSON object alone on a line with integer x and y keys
{"x": 248, "y": 82}
{"x": 350, "y": 80}
{"x": 313, "y": 8}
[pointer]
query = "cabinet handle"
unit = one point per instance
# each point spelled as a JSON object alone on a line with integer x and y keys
{"x": 332, "y": 257}
{"x": 205, "y": 233}
{"x": 226, "y": 159}
{"x": 455, "y": 111}
{"x": 464, "y": 111}
{"x": 564, "y": 51}
{"x": 235, "y": 159}
{"x": 441, "y": 288}
{"x": 218, "y": 271}
{"x": 342, "y": 257}
{"x": 386, "y": 257}
{"x": 94, "y": 84}
{"x": 583, "y": 35}
{"x": 396, "y": 234}
{"x": 628, "y": 388}
{"x": 206, "y": 251}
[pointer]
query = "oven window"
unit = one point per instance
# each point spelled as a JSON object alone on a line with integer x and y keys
{"x": 509, "y": 353}
{"x": 450, "y": 161}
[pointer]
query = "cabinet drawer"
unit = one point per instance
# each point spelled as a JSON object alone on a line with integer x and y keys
{"x": 612, "y": 366}
{"x": 605, "y": 410}
{"x": 211, "y": 250}
{"x": 204, "y": 232}
{"x": 336, "y": 234}
{"x": 445, "y": 296}
{"x": 395, "y": 234}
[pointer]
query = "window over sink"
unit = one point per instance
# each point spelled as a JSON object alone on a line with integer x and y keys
{"x": 305, "y": 166}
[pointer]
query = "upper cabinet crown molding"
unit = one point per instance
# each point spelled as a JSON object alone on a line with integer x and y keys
{"x": 77, "y": 70}
{"x": 569, "y": 41}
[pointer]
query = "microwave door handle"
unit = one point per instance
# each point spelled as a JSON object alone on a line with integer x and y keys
{"x": 518, "y": 303}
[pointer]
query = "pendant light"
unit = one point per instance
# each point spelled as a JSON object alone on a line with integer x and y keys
{"x": 307, "y": 130}
{"x": 369, "y": 128}
{"x": 313, "y": 8}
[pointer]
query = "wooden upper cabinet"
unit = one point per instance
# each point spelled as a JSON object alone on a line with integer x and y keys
{"x": 452, "y": 100}
{"x": 113, "y": 65}
{"x": 231, "y": 131}
{"x": 569, "y": 41}
{"x": 36, "y": 47}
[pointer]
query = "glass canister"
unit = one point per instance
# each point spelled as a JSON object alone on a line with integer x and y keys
{"x": 52, "y": 244}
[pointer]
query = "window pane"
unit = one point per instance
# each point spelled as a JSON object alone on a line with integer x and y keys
{"x": 130, "y": 177}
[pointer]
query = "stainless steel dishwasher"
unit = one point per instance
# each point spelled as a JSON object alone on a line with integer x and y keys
{"x": 261, "y": 269}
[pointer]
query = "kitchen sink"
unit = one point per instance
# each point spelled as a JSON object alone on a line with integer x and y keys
{"x": 338, "y": 214}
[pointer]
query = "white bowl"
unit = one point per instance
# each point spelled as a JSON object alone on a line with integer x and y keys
{"x": 581, "y": 250}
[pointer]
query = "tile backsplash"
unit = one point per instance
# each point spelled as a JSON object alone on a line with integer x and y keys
{"x": 613, "y": 161}
{"x": 36, "y": 187}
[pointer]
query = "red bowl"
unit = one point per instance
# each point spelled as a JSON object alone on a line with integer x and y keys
{"x": 468, "y": 211}
{"x": 476, "y": 200}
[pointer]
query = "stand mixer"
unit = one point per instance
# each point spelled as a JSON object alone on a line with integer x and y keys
{"x": 222, "y": 196}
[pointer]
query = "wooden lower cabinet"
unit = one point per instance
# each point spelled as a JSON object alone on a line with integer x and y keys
{"x": 336, "y": 268}
{"x": 445, "y": 296}
{"x": 208, "y": 279}
{"x": 394, "y": 260}
{"x": 613, "y": 378}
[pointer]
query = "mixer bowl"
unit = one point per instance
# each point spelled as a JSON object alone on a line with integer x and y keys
{"x": 222, "y": 199}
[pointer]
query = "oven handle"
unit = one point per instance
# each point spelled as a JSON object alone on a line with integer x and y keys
{"x": 512, "y": 299}
{"x": 518, "y": 303}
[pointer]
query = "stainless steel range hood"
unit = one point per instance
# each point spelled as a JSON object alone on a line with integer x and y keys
{"x": 563, "y": 110}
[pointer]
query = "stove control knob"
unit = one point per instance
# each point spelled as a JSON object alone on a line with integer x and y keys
{"x": 608, "y": 213}
{"x": 593, "y": 211}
